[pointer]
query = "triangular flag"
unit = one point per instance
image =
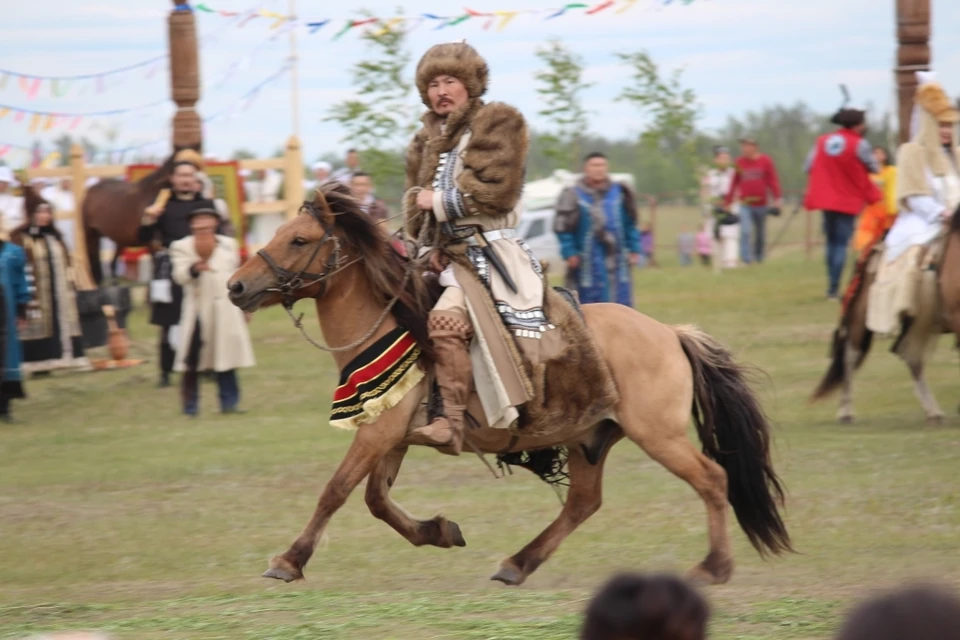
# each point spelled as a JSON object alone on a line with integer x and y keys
{"x": 35, "y": 122}
{"x": 316, "y": 26}
{"x": 51, "y": 120}
{"x": 628, "y": 4}
{"x": 4, "y": 112}
{"x": 205, "y": 8}
{"x": 505, "y": 18}
{"x": 600, "y": 7}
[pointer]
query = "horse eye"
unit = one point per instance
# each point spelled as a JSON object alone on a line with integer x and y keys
{"x": 298, "y": 242}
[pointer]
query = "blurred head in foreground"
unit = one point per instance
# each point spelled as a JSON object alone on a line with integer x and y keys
{"x": 921, "y": 612}
{"x": 638, "y": 607}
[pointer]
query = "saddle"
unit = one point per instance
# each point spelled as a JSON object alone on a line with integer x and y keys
{"x": 574, "y": 386}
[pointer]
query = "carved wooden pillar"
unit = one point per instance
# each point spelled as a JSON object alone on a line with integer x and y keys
{"x": 913, "y": 54}
{"x": 184, "y": 79}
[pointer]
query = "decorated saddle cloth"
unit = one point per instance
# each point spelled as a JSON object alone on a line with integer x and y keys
{"x": 903, "y": 286}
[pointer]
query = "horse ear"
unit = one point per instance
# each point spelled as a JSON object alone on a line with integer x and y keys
{"x": 320, "y": 202}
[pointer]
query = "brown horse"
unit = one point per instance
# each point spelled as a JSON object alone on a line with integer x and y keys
{"x": 938, "y": 311}
{"x": 113, "y": 208}
{"x": 667, "y": 370}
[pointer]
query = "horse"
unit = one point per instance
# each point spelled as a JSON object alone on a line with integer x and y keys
{"x": 113, "y": 208}
{"x": 937, "y": 312}
{"x": 332, "y": 253}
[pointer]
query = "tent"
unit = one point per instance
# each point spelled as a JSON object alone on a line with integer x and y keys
{"x": 543, "y": 194}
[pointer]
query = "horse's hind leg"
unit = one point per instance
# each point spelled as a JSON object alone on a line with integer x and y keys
{"x": 438, "y": 531}
{"x": 583, "y": 500}
{"x": 934, "y": 413}
{"x": 670, "y": 446}
{"x": 846, "y": 412}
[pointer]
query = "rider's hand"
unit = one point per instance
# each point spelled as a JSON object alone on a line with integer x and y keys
{"x": 634, "y": 259}
{"x": 425, "y": 200}
{"x": 438, "y": 261}
{"x": 153, "y": 210}
{"x": 201, "y": 266}
{"x": 573, "y": 262}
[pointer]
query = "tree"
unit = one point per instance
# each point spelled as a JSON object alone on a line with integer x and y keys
{"x": 562, "y": 86}
{"x": 673, "y": 111}
{"x": 380, "y": 118}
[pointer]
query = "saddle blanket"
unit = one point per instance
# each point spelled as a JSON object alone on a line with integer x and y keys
{"x": 376, "y": 380}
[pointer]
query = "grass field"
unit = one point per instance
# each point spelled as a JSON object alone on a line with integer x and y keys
{"x": 118, "y": 514}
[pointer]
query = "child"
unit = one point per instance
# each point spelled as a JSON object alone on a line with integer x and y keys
{"x": 704, "y": 244}
{"x": 685, "y": 243}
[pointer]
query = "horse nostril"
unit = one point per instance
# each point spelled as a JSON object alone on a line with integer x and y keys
{"x": 237, "y": 288}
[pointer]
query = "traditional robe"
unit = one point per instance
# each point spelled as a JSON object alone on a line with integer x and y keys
{"x": 600, "y": 226}
{"x": 14, "y": 297}
{"x": 53, "y": 338}
{"x": 474, "y": 163}
{"x": 209, "y": 321}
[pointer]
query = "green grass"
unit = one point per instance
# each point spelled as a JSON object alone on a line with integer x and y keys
{"x": 116, "y": 513}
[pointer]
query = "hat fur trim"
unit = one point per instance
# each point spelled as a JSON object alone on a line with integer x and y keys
{"x": 934, "y": 100}
{"x": 457, "y": 59}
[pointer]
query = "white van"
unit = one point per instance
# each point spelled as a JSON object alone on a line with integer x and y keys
{"x": 536, "y": 229}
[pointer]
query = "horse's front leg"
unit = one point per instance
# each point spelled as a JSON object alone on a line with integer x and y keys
{"x": 437, "y": 531}
{"x": 371, "y": 443}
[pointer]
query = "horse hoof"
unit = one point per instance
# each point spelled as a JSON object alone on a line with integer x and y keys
{"x": 935, "y": 420}
{"x": 456, "y": 537}
{"x": 279, "y": 573}
{"x": 846, "y": 419}
{"x": 509, "y": 576}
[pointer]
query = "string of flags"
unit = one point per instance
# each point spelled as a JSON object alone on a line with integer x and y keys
{"x": 499, "y": 18}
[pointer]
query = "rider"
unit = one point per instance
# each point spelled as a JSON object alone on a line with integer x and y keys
{"x": 928, "y": 194}
{"x": 469, "y": 160}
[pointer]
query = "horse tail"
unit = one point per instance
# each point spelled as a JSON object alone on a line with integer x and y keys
{"x": 735, "y": 433}
{"x": 837, "y": 370}
{"x": 92, "y": 239}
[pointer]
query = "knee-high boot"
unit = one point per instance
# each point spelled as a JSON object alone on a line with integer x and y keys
{"x": 450, "y": 334}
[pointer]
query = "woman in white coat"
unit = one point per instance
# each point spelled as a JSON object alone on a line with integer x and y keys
{"x": 213, "y": 332}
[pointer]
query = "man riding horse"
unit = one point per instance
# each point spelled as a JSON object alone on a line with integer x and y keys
{"x": 468, "y": 161}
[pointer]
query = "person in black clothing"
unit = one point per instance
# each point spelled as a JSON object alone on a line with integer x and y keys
{"x": 164, "y": 224}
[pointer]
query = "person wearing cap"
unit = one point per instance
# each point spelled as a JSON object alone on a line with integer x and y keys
{"x": 321, "y": 173}
{"x": 928, "y": 195}
{"x": 464, "y": 178}
{"x": 213, "y": 331}
{"x": 165, "y": 223}
{"x": 754, "y": 181}
{"x": 52, "y": 337}
{"x": 839, "y": 184}
{"x": 11, "y": 205}
{"x": 361, "y": 185}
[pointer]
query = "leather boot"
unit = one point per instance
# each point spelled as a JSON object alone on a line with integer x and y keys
{"x": 450, "y": 334}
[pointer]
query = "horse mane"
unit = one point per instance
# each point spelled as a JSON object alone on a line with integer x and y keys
{"x": 157, "y": 178}
{"x": 384, "y": 267}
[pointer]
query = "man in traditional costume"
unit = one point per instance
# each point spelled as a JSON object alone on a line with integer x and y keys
{"x": 596, "y": 224}
{"x": 214, "y": 331}
{"x": 468, "y": 161}
{"x": 14, "y": 297}
{"x": 928, "y": 194}
{"x": 52, "y": 337}
{"x": 167, "y": 222}
{"x": 839, "y": 166}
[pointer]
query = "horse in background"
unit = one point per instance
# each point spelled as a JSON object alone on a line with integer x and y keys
{"x": 113, "y": 208}
{"x": 937, "y": 312}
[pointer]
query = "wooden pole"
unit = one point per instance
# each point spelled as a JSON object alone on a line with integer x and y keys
{"x": 913, "y": 54}
{"x": 184, "y": 79}
{"x": 78, "y": 179}
{"x": 293, "y": 177}
{"x": 294, "y": 70}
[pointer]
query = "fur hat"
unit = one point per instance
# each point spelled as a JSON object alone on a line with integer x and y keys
{"x": 457, "y": 59}
{"x": 933, "y": 99}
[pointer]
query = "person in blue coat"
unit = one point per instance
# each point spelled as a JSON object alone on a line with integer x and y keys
{"x": 14, "y": 296}
{"x": 596, "y": 225}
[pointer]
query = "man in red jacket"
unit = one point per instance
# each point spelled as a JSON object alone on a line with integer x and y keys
{"x": 839, "y": 166}
{"x": 755, "y": 178}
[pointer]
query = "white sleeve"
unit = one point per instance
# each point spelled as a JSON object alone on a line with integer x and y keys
{"x": 926, "y": 207}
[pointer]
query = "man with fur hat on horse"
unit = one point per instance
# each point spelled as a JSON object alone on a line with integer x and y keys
{"x": 928, "y": 194}
{"x": 465, "y": 170}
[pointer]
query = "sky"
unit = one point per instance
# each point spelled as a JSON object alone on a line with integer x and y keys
{"x": 737, "y": 55}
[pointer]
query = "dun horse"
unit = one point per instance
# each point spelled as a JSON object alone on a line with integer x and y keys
{"x": 938, "y": 311}
{"x": 113, "y": 209}
{"x": 665, "y": 372}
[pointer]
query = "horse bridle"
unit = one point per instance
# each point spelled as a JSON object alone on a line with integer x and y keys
{"x": 289, "y": 282}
